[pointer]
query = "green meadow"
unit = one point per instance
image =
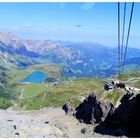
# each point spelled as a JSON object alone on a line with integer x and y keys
{"x": 33, "y": 96}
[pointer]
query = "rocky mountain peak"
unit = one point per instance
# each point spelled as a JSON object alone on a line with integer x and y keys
{"x": 9, "y": 39}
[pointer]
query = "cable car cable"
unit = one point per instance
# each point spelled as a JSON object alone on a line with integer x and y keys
{"x": 128, "y": 34}
{"x": 122, "y": 45}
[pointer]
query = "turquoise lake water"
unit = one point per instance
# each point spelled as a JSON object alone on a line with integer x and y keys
{"x": 35, "y": 77}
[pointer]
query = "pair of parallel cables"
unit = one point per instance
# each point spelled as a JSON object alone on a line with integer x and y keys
{"x": 122, "y": 50}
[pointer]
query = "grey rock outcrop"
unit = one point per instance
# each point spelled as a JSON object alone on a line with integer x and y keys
{"x": 128, "y": 113}
{"x": 93, "y": 111}
{"x": 125, "y": 119}
{"x": 107, "y": 109}
{"x": 68, "y": 108}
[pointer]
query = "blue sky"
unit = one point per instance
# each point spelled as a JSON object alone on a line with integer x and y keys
{"x": 96, "y": 22}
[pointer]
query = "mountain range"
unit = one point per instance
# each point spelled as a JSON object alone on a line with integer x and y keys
{"x": 79, "y": 59}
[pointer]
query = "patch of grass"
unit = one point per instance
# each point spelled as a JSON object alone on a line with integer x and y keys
{"x": 58, "y": 96}
{"x": 33, "y": 89}
{"x": 137, "y": 84}
{"x": 22, "y": 102}
{"x": 50, "y": 99}
{"x": 113, "y": 96}
{"x": 5, "y": 103}
{"x": 75, "y": 103}
{"x": 127, "y": 76}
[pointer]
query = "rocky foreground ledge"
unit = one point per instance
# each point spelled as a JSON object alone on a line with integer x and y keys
{"x": 44, "y": 123}
{"x": 91, "y": 118}
{"x": 122, "y": 119}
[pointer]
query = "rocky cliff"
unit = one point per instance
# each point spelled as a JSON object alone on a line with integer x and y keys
{"x": 117, "y": 120}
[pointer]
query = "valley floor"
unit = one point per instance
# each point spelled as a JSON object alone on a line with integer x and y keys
{"x": 47, "y": 122}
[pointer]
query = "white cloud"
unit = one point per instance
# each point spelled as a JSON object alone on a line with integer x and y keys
{"x": 87, "y": 6}
{"x": 62, "y": 5}
{"x": 27, "y": 25}
{"x": 16, "y": 28}
{"x": 21, "y": 27}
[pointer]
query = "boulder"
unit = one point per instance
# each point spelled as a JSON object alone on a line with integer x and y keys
{"x": 68, "y": 108}
{"x": 17, "y": 134}
{"x": 15, "y": 127}
{"x": 83, "y": 130}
